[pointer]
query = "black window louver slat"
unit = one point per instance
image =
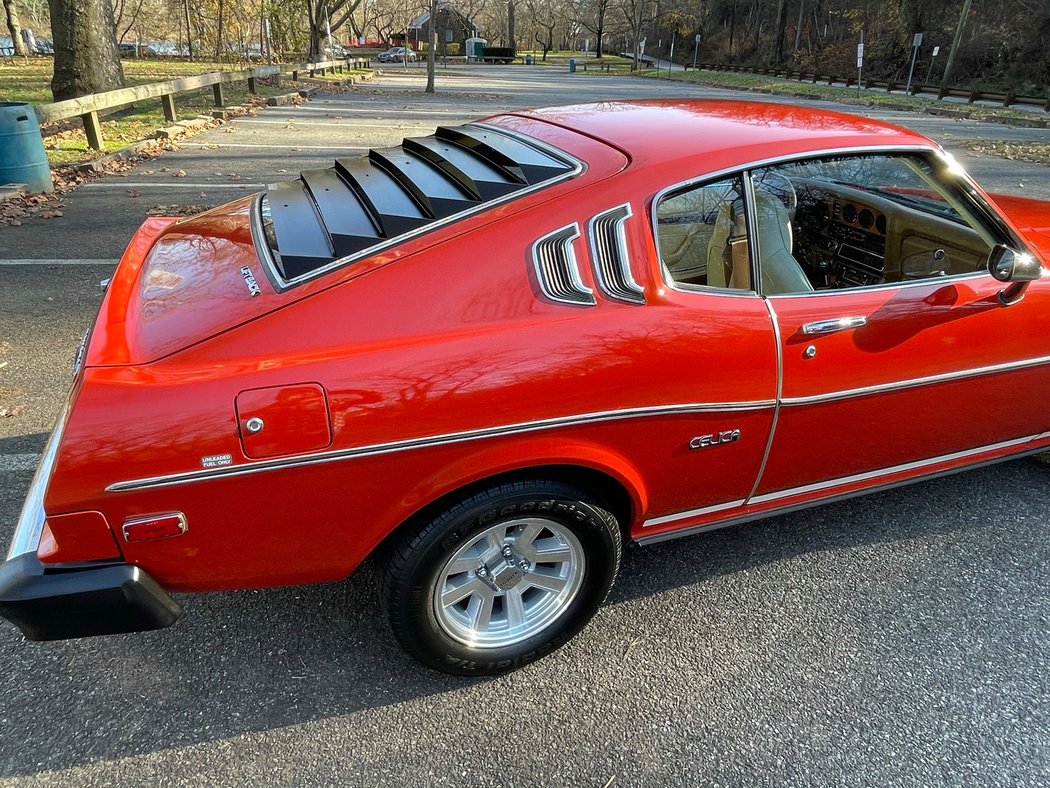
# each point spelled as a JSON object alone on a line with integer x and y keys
{"x": 478, "y": 175}
{"x": 521, "y": 161}
{"x": 350, "y": 226}
{"x": 396, "y": 210}
{"x": 301, "y": 237}
{"x": 609, "y": 255}
{"x": 557, "y": 269}
{"x": 438, "y": 195}
{"x": 367, "y": 203}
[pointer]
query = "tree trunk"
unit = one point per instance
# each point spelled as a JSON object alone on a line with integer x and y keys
{"x": 219, "y": 28}
{"x": 15, "y": 27}
{"x": 510, "y": 23}
{"x": 779, "y": 29}
{"x": 87, "y": 59}
{"x": 431, "y": 46}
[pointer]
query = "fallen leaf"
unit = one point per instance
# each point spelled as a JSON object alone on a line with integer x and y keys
{"x": 132, "y": 193}
{"x": 179, "y": 174}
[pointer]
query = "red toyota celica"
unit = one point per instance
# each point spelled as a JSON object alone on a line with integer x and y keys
{"x": 492, "y": 356}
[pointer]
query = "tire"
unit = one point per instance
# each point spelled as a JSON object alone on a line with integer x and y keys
{"x": 469, "y": 593}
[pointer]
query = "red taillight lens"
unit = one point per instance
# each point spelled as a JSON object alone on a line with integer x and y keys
{"x": 158, "y": 526}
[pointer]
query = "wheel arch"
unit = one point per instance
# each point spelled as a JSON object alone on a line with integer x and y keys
{"x": 615, "y": 484}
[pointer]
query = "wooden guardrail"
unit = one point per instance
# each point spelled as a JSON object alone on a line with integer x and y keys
{"x": 88, "y": 107}
{"x": 1006, "y": 99}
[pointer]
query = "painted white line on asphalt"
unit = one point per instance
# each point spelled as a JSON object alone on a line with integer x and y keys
{"x": 59, "y": 261}
{"x": 10, "y": 463}
{"x": 333, "y": 123}
{"x": 180, "y": 184}
{"x": 220, "y": 145}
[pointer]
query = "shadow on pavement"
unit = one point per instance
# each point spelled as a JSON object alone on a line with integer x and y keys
{"x": 243, "y": 662}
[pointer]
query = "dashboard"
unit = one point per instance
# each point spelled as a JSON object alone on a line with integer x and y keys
{"x": 849, "y": 237}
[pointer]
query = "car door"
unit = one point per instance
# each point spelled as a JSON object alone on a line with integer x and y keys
{"x": 898, "y": 354}
{"x": 716, "y": 350}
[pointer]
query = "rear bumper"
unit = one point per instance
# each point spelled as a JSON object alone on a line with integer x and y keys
{"x": 56, "y": 604}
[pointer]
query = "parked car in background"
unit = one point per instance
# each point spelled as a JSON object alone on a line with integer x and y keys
{"x": 131, "y": 49}
{"x": 398, "y": 55}
{"x": 490, "y": 357}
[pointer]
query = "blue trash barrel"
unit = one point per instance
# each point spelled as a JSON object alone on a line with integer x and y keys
{"x": 572, "y": 65}
{"x": 22, "y": 156}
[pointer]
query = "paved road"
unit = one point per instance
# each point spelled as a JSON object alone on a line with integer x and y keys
{"x": 900, "y": 639}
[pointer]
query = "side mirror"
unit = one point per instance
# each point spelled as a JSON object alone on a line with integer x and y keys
{"x": 1009, "y": 265}
{"x": 1018, "y": 268}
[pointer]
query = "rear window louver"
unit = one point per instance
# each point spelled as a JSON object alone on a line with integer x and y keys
{"x": 366, "y": 203}
{"x": 557, "y": 269}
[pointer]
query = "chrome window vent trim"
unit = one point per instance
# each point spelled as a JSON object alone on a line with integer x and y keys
{"x": 558, "y": 270}
{"x": 612, "y": 266}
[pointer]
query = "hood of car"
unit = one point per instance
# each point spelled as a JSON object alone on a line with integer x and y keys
{"x": 1031, "y": 217}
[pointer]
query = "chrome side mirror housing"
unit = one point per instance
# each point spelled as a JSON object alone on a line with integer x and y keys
{"x": 1009, "y": 265}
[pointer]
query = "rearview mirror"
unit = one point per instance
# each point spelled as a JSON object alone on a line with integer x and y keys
{"x": 1010, "y": 265}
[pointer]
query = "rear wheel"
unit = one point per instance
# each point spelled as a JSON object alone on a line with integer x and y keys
{"x": 501, "y": 578}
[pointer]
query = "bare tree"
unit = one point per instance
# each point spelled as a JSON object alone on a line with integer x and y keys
{"x": 11, "y": 12}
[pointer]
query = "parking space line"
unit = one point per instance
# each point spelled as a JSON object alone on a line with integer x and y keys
{"x": 165, "y": 185}
{"x": 219, "y": 145}
{"x": 59, "y": 261}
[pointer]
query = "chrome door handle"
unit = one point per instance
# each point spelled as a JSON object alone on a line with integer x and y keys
{"x": 831, "y": 326}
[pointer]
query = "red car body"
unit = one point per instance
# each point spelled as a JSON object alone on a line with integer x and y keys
{"x": 436, "y": 364}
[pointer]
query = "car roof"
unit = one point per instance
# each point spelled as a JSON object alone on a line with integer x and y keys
{"x": 722, "y": 132}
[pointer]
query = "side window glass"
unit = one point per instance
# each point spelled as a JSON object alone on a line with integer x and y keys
{"x": 702, "y": 238}
{"x": 857, "y": 221}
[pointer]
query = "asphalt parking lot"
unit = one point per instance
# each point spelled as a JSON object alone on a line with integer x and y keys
{"x": 899, "y": 639}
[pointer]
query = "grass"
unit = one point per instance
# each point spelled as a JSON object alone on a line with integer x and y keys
{"x": 65, "y": 142}
{"x": 1037, "y": 152}
{"x": 790, "y": 87}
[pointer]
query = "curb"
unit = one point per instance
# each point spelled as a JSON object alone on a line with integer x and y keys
{"x": 11, "y": 190}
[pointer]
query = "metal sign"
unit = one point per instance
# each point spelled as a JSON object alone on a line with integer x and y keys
{"x": 697, "y": 38}
{"x": 936, "y": 50}
{"x": 917, "y": 41}
{"x": 860, "y": 55}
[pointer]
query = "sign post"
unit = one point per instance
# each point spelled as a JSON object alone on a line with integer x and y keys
{"x": 670, "y": 58}
{"x": 860, "y": 63}
{"x": 933, "y": 57}
{"x": 696, "y": 49}
{"x": 915, "y": 44}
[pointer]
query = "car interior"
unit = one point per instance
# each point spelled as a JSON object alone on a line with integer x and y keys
{"x": 852, "y": 221}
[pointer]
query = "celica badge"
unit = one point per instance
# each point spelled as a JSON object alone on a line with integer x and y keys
{"x": 718, "y": 438}
{"x": 249, "y": 279}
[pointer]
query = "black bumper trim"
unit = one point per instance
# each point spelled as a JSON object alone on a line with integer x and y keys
{"x": 56, "y": 604}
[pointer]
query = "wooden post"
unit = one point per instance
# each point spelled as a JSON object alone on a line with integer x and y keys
{"x": 251, "y": 86}
{"x": 217, "y": 90}
{"x": 167, "y": 103}
{"x": 93, "y": 129}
